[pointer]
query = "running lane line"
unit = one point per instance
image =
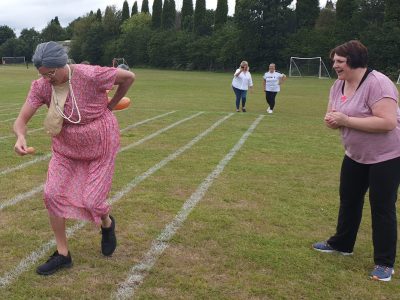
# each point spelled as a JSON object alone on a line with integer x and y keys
{"x": 140, "y": 270}
{"x": 48, "y": 155}
{"x": 7, "y": 278}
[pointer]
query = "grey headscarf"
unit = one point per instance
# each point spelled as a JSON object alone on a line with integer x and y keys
{"x": 50, "y": 55}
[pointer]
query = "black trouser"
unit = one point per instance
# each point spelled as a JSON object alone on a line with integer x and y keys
{"x": 270, "y": 97}
{"x": 383, "y": 180}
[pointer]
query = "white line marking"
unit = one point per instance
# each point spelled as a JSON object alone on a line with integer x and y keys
{"x": 122, "y": 130}
{"x": 13, "y": 135}
{"x": 21, "y": 197}
{"x": 47, "y": 156}
{"x": 27, "y": 195}
{"x": 140, "y": 271}
{"x": 34, "y": 256}
{"x": 37, "y": 115}
{"x": 25, "y": 164}
{"x": 146, "y": 121}
{"x": 160, "y": 131}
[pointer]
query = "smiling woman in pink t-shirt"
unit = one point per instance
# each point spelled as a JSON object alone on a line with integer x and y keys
{"x": 363, "y": 104}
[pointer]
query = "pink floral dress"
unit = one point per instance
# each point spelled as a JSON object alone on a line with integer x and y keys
{"x": 82, "y": 165}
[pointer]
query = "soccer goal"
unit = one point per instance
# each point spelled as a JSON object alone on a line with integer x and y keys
{"x": 398, "y": 80}
{"x": 11, "y": 60}
{"x": 308, "y": 67}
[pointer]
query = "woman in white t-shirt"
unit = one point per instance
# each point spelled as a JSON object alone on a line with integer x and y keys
{"x": 241, "y": 82}
{"x": 272, "y": 85}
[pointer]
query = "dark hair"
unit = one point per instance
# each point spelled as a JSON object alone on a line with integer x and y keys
{"x": 355, "y": 52}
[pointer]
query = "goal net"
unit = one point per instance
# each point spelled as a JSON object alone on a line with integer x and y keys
{"x": 10, "y": 60}
{"x": 308, "y": 67}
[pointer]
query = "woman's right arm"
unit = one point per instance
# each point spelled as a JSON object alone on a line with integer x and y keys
{"x": 26, "y": 113}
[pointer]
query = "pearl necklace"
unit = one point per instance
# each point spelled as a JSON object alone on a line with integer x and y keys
{"x": 74, "y": 104}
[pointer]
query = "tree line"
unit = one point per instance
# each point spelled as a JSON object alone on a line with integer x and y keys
{"x": 197, "y": 38}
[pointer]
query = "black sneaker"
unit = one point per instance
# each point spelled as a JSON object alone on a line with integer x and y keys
{"x": 108, "y": 239}
{"x": 55, "y": 263}
{"x": 243, "y": 109}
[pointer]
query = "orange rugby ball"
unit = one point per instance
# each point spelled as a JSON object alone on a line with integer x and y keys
{"x": 122, "y": 104}
{"x": 30, "y": 150}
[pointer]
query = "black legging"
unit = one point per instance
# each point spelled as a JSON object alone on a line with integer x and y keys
{"x": 270, "y": 97}
{"x": 383, "y": 180}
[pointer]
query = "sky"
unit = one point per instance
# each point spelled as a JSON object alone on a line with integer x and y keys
{"x": 20, "y": 14}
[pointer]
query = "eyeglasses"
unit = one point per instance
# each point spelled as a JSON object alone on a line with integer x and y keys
{"x": 50, "y": 74}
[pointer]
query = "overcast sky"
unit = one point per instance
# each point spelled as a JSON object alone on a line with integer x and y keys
{"x": 20, "y": 14}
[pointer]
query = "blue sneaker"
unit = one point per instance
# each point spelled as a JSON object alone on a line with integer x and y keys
{"x": 326, "y": 248}
{"x": 382, "y": 273}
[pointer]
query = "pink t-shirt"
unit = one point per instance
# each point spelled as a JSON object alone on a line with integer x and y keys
{"x": 365, "y": 147}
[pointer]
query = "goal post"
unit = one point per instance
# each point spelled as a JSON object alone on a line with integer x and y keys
{"x": 398, "y": 80}
{"x": 11, "y": 60}
{"x": 308, "y": 67}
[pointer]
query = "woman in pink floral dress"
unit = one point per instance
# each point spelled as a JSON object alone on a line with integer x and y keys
{"x": 83, "y": 152}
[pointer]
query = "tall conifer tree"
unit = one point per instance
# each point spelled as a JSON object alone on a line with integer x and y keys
{"x": 98, "y": 15}
{"x": 307, "y": 12}
{"x": 125, "y": 11}
{"x": 199, "y": 16}
{"x": 168, "y": 14}
{"x": 145, "y": 6}
{"x": 345, "y": 12}
{"x": 221, "y": 13}
{"x": 156, "y": 15}
{"x": 134, "y": 9}
{"x": 186, "y": 13}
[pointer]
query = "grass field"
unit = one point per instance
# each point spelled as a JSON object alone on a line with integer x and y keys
{"x": 209, "y": 203}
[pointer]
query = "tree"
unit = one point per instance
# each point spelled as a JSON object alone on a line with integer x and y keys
{"x": 6, "y": 33}
{"x": 145, "y": 6}
{"x": 157, "y": 14}
{"x": 82, "y": 27}
{"x": 225, "y": 46}
{"x": 221, "y": 13}
{"x": 264, "y": 27}
{"x": 111, "y": 22}
{"x": 53, "y": 31}
{"x": 326, "y": 19}
{"x": 134, "y": 9}
{"x": 13, "y": 47}
{"x": 125, "y": 11}
{"x": 31, "y": 38}
{"x": 345, "y": 20}
{"x": 92, "y": 47}
{"x": 186, "y": 14}
{"x": 98, "y": 15}
{"x": 199, "y": 17}
{"x": 391, "y": 36}
{"x": 134, "y": 40}
{"x": 307, "y": 12}
{"x": 168, "y": 15}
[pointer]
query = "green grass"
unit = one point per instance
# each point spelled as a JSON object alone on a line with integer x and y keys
{"x": 250, "y": 236}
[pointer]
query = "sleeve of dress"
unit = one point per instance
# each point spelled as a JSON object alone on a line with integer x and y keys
{"x": 34, "y": 97}
{"x": 105, "y": 77}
